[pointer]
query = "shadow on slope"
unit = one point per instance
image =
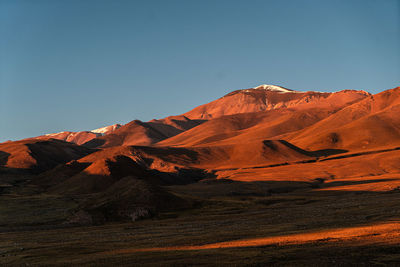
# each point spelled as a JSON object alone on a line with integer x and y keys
{"x": 36, "y": 156}
{"x": 316, "y": 153}
{"x": 4, "y": 158}
{"x": 92, "y": 177}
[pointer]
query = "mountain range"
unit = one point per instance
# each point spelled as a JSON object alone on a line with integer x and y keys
{"x": 256, "y": 134}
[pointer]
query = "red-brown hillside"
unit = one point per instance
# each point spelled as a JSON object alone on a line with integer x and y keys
{"x": 39, "y": 155}
{"x": 368, "y": 124}
{"x": 99, "y": 170}
{"x": 79, "y": 138}
{"x": 145, "y": 133}
{"x": 244, "y": 127}
{"x": 280, "y": 119}
{"x": 289, "y": 105}
{"x": 269, "y": 97}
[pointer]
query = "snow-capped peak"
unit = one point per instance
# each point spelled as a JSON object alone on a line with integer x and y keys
{"x": 274, "y": 88}
{"x": 106, "y": 129}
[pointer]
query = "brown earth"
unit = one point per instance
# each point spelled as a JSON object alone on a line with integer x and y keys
{"x": 254, "y": 100}
{"x": 37, "y": 155}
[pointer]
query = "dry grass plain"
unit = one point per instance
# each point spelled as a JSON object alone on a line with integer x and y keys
{"x": 306, "y": 214}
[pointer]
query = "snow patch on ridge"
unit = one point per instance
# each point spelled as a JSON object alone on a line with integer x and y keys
{"x": 99, "y": 132}
{"x": 274, "y": 88}
{"x": 52, "y": 134}
{"x": 106, "y": 129}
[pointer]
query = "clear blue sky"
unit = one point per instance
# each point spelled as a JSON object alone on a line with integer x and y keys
{"x": 80, "y": 65}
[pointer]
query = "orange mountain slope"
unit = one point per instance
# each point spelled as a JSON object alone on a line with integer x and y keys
{"x": 281, "y": 119}
{"x": 269, "y": 97}
{"x": 370, "y": 123}
{"x": 39, "y": 155}
{"x": 145, "y": 133}
{"x": 304, "y": 127}
{"x": 79, "y": 137}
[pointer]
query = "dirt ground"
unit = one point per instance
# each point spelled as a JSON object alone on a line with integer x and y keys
{"x": 290, "y": 223}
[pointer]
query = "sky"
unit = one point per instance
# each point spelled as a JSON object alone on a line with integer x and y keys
{"x": 83, "y": 64}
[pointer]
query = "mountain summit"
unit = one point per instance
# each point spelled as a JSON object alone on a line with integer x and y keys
{"x": 274, "y": 88}
{"x": 268, "y": 97}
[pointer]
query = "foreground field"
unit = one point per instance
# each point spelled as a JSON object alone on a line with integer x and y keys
{"x": 233, "y": 222}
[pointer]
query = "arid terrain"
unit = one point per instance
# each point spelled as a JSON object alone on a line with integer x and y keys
{"x": 264, "y": 176}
